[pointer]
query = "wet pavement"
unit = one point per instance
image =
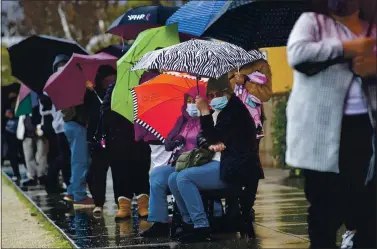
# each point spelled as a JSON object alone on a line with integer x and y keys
{"x": 280, "y": 220}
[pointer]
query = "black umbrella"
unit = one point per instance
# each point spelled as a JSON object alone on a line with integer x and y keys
{"x": 134, "y": 21}
{"x": 261, "y": 23}
{"x": 115, "y": 50}
{"x": 32, "y": 59}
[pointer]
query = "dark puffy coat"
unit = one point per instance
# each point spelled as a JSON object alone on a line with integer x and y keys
{"x": 235, "y": 128}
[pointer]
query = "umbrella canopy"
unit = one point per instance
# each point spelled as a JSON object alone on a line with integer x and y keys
{"x": 67, "y": 87}
{"x": 147, "y": 40}
{"x": 200, "y": 58}
{"x": 32, "y": 58}
{"x": 158, "y": 102}
{"x": 136, "y": 20}
{"x": 26, "y": 101}
{"x": 246, "y": 23}
{"x": 115, "y": 50}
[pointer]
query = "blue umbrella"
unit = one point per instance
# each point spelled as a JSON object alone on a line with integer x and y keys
{"x": 196, "y": 17}
{"x": 249, "y": 24}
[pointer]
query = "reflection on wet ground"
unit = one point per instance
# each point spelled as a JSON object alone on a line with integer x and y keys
{"x": 280, "y": 221}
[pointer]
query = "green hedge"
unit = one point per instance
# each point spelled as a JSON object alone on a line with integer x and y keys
{"x": 279, "y": 131}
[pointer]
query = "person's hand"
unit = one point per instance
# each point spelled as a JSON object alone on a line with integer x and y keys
{"x": 359, "y": 46}
{"x": 202, "y": 105}
{"x": 219, "y": 147}
{"x": 179, "y": 141}
{"x": 240, "y": 78}
{"x": 89, "y": 85}
{"x": 364, "y": 66}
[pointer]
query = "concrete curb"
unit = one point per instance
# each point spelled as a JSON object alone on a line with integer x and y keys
{"x": 73, "y": 244}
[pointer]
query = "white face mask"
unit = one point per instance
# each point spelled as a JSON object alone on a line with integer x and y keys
{"x": 59, "y": 68}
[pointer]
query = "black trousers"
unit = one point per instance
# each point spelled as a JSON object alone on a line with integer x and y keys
{"x": 59, "y": 160}
{"x": 14, "y": 149}
{"x": 335, "y": 198}
{"x": 129, "y": 168}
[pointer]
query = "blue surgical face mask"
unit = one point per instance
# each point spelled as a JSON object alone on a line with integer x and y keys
{"x": 219, "y": 103}
{"x": 192, "y": 110}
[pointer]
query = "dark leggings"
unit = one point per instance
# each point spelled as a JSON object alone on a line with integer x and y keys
{"x": 129, "y": 167}
{"x": 14, "y": 148}
{"x": 335, "y": 198}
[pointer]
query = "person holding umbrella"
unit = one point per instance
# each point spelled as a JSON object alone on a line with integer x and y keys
{"x": 331, "y": 120}
{"x": 75, "y": 123}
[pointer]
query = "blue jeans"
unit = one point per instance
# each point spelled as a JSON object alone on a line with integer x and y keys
{"x": 76, "y": 136}
{"x": 158, "y": 203}
{"x": 185, "y": 187}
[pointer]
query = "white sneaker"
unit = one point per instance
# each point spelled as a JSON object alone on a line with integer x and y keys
{"x": 348, "y": 237}
{"x": 97, "y": 210}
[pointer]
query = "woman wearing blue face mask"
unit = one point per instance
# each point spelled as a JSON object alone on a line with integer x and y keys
{"x": 234, "y": 135}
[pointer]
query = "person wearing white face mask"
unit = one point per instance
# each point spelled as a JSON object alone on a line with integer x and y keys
{"x": 234, "y": 135}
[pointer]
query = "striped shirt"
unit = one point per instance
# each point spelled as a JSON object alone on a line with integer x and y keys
{"x": 316, "y": 105}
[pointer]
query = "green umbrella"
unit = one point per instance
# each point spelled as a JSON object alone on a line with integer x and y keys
{"x": 146, "y": 41}
{"x": 24, "y": 107}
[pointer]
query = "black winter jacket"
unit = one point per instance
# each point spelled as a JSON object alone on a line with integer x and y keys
{"x": 234, "y": 128}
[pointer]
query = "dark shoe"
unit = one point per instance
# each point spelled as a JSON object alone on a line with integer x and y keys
{"x": 197, "y": 235}
{"x": 156, "y": 230}
{"x": 182, "y": 230}
{"x": 29, "y": 182}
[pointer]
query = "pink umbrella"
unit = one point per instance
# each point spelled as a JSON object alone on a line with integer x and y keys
{"x": 67, "y": 87}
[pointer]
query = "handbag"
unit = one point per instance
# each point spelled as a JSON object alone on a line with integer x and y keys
{"x": 194, "y": 158}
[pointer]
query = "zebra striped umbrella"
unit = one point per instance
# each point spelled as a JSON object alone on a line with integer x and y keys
{"x": 199, "y": 58}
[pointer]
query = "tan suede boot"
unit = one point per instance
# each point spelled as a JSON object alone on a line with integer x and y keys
{"x": 124, "y": 211}
{"x": 143, "y": 205}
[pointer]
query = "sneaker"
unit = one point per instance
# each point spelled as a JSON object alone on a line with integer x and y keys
{"x": 68, "y": 198}
{"x": 86, "y": 203}
{"x": 156, "y": 230}
{"x": 15, "y": 178}
{"x": 143, "y": 205}
{"x": 98, "y": 210}
{"x": 348, "y": 238}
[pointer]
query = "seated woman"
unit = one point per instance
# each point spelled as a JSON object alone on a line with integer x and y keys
{"x": 234, "y": 135}
{"x": 182, "y": 138}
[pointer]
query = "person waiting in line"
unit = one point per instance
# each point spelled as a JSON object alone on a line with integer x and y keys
{"x": 99, "y": 152}
{"x": 182, "y": 138}
{"x": 234, "y": 135}
{"x": 13, "y": 143}
{"x": 75, "y": 123}
{"x": 115, "y": 137}
{"x": 331, "y": 122}
{"x": 35, "y": 147}
{"x": 52, "y": 126}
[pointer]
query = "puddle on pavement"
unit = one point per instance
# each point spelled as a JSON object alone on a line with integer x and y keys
{"x": 278, "y": 209}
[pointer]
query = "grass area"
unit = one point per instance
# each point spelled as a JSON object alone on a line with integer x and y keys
{"x": 60, "y": 240}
